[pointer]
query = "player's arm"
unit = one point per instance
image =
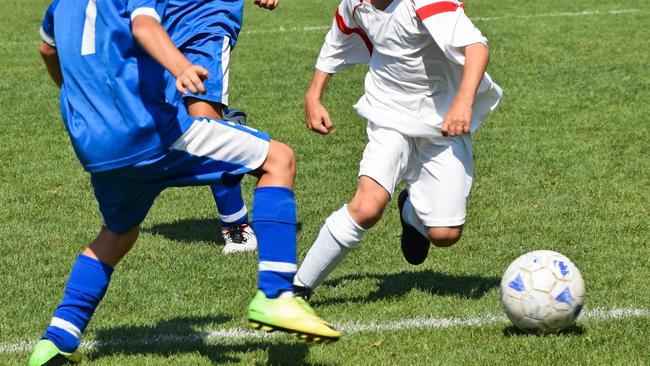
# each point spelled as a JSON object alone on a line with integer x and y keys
{"x": 316, "y": 117}
{"x": 52, "y": 64}
{"x": 458, "y": 119}
{"x": 156, "y": 42}
{"x": 462, "y": 43}
{"x": 345, "y": 45}
{"x": 47, "y": 49}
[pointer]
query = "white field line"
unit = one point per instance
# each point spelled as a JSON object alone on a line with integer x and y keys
{"x": 527, "y": 16}
{"x": 311, "y": 28}
{"x": 563, "y": 14}
{"x": 234, "y": 334}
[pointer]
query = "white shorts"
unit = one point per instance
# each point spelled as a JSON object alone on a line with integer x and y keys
{"x": 438, "y": 172}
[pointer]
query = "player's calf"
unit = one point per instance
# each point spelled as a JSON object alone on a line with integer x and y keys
{"x": 338, "y": 237}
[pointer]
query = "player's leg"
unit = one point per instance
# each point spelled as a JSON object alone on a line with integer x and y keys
{"x": 91, "y": 272}
{"x": 237, "y": 234}
{"x": 381, "y": 169}
{"x": 434, "y": 209}
{"x": 86, "y": 286}
{"x": 197, "y": 107}
{"x": 213, "y": 53}
{"x": 342, "y": 233}
{"x": 274, "y": 218}
{"x": 224, "y": 151}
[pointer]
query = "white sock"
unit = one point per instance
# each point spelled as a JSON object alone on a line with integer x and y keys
{"x": 285, "y": 294}
{"x": 336, "y": 239}
{"x": 411, "y": 218}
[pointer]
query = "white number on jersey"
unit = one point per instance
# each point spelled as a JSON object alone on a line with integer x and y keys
{"x": 88, "y": 36}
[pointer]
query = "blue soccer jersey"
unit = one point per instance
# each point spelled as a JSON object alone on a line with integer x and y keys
{"x": 187, "y": 19}
{"x": 112, "y": 99}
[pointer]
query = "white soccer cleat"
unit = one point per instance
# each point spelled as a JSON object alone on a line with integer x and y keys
{"x": 239, "y": 238}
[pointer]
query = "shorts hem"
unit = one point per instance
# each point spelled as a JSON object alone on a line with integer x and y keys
{"x": 444, "y": 222}
{"x": 207, "y": 98}
{"x": 120, "y": 229}
{"x": 383, "y": 185}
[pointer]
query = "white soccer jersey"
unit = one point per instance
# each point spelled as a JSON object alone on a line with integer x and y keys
{"x": 413, "y": 48}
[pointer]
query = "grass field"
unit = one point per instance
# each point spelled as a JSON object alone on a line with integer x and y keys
{"x": 562, "y": 164}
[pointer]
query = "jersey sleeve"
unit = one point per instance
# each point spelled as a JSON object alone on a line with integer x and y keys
{"x": 142, "y": 7}
{"x": 47, "y": 25}
{"x": 345, "y": 44}
{"x": 449, "y": 26}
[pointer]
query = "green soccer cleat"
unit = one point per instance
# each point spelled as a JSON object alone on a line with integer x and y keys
{"x": 292, "y": 315}
{"x": 46, "y": 353}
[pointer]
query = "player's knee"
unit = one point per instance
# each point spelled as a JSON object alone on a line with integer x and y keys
{"x": 286, "y": 158}
{"x": 366, "y": 213}
{"x": 281, "y": 158}
{"x": 444, "y": 236}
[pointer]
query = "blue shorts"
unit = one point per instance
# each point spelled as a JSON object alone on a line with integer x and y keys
{"x": 213, "y": 53}
{"x": 209, "y": 152}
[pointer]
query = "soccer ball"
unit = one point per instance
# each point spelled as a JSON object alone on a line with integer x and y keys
{"x": 542, "y": 291}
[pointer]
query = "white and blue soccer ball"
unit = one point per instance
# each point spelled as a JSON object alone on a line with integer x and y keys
{"x": 542, "y": 291}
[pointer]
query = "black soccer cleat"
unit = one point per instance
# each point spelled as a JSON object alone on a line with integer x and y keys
{"x": 303, "y": 292}
{"x": 415, "y": 247}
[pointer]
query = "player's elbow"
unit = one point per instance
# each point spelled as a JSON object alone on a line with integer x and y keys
{"x": 141, "y": 27}
{"x": 47, "y": 51}
{"x": 478, "y": 51}
{"x": 138, "y": 29}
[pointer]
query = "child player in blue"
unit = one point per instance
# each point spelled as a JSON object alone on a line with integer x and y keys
{"x": 107, "y": 58}
{"x": 206, "y": 31}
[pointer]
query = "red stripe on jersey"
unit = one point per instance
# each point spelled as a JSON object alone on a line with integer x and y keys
{"x": 437, "y": 8}
{"x": 347, "y": 30}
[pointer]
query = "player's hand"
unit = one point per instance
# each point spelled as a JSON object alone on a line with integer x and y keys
{"x": 267, "y": 4}
{"x": 457, "y": 120}
{"x": 316, "y": 117}
{"x": 191, "y": 78}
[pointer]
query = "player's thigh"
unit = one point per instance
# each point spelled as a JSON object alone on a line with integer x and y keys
{"x": 208, "y": 152}
{"x": 385, "y": 157}
{"x": 203, "y": 108}
{"x": 214, "y": 152}
{"x": 212, "y": 53}
{"x": 440, "y": 180}
{"x": 123, "y": 202}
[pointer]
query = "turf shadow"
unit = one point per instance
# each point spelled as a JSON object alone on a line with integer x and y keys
{"x": 399, "y": 284}
{"x": 191, "y": 231}
{"x": 573, "y": 330}
{"x": 180, "y": 335}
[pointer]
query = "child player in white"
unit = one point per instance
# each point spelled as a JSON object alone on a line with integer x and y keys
{"x": 426, "y": 92}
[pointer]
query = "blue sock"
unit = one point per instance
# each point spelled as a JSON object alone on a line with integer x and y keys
{"x": 230, "y": 204}
{"x": 86, "y": 287}
{"x": 274, "y": 222}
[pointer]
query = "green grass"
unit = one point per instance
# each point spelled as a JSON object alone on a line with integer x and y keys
{"x": 562, "y": 164}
